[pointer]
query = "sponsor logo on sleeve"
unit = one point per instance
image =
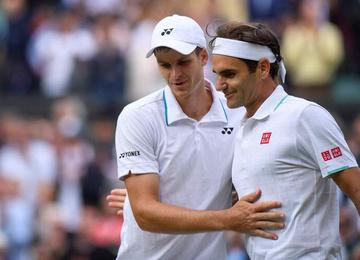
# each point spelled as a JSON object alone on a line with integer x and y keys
{"x": 336, "y": 152}
{"x": 265, "y": 139}
{"x": 129, "y": 154}
{"x": 331, "y": 154}
{"x": 326, "y": 155}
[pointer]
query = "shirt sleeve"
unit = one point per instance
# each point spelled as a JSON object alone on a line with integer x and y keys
{"x": 134, "y": 145}
{"x": 320, "y": 139}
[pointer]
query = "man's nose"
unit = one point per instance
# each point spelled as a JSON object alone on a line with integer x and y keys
{"x": 220, "y": 84}
{"x": 175, "y": 72}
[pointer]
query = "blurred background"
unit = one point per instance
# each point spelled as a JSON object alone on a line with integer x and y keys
{"x": 67, "y": 67}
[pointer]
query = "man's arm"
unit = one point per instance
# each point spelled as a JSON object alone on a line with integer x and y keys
{"x": 117, "y": 196}
{"x": 349, "y": 182}
{"x": 155, "y": 216}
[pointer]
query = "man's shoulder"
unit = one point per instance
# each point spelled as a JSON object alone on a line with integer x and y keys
{"x": 144, "y": 104}
{"x": 298, "y": 103}
{"x": 300, "y": 108}
{"x": 144, "y": 114}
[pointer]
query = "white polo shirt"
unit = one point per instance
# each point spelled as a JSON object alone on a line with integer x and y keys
{"x": 288, "y": 149}
{"x": 193, "y": 160}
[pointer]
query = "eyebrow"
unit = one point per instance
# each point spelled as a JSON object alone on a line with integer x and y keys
{"x": 162, "y": 63}
{"x": 224, "y": 71}
{"x": 184, "y": 59}
{"x": 179, "y": 60}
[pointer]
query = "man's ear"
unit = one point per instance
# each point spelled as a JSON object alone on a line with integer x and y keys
{"x": 204, "y": 56}
{"x": 264, "y": 68}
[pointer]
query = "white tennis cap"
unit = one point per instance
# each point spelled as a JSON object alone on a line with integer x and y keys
{"x": 180, "y": 33}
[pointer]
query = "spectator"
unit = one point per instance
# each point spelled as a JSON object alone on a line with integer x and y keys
{"x": 25, "y": 166}
{"x": 313, "y": 50}
{"x": 106, "y": 84}
{"x": 346, "y": 15}
{"x": 74, "y": 154}
{"x": 102, "y": 228}
{"x": 56, "y": 50}
{"x": 276, "y": 13}
{"x": 17, "y": 77}
{"x": 94, "y": 7}
{"x": 139, "y": 43}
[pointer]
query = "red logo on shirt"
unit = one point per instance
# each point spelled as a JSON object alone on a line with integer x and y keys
{"x": 326, "y": 155}
{"x": 265, "y": 139}
{"x": 336, "y": 152}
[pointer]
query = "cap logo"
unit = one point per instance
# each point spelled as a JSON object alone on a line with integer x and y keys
{"x": 167, "y": 31}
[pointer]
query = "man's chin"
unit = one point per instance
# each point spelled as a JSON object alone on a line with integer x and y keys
{"x": 231, "y": 104}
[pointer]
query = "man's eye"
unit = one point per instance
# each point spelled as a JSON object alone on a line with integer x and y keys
{"x": 184, "y": 62}
{"x": 164, "y": 65}
{"x": 229, "y": 74}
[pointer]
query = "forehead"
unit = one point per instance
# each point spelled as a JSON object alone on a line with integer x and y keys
{"x": 167, "y": 55}
{"x": 222, "y": 62}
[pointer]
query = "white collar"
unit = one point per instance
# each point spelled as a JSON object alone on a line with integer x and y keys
{"x": 173, "y": 111}
{"x": 271, "y": 103}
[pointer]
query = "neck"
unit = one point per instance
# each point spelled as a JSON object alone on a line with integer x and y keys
{"x": 198, "y": 103}
{"x": 265, "y": 91}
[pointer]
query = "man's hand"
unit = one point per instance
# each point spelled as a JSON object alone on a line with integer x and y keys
{"x": 116, "y": 200}
{"x": 255, "y": 219}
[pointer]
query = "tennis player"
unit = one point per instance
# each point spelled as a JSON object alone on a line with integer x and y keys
{"x": 289, "y": 147}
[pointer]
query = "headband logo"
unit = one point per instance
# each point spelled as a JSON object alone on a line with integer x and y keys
{"x": 167, "y": 31}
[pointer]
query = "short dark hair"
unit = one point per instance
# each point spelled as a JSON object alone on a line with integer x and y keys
{"x": 256, "y": 33}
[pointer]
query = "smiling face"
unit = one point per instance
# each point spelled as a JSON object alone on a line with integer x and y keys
{"x": 240, "y": 86}
{"x": 183, "y": 73}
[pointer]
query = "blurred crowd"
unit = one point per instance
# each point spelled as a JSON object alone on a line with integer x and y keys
{"x": 54, "y": 175}
{"x": 67, "y": 67}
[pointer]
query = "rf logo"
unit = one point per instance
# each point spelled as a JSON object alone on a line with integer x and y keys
{"x": 227, "y": 130}
{"x": 167, "y": 31}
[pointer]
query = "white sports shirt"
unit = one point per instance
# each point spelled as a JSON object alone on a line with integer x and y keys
{"x": 288, "y": 149}
{"x": 193, "y": 159}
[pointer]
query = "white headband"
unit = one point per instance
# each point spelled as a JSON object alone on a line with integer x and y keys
{"x": 248, "y": 51}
